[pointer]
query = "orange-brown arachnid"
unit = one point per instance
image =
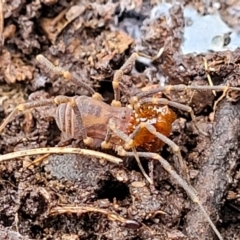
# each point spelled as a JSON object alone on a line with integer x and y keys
{"x": 146, "y": 123}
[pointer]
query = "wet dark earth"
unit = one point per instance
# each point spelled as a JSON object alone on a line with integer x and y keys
{"x": 69, "y": 196}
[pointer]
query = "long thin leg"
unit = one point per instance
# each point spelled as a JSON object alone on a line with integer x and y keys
{"x": 180, "y": 87}
{"x": 68, "y": 76}
{"x": 180, "y": 181}
{"x": 175, "y": 148}
{"x": 106, "y": 143}
{"x": 24, "y": 106}
{"x": 45, "y": 102}
{"x": 129, "y": 143}
{"x": 164, "y": 101}
{"x": 126, "y": 67}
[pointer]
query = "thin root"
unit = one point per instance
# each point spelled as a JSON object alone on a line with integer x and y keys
{"x": 84, "y": 209}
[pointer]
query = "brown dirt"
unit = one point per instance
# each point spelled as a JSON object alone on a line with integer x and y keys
{"x": 93, "y": 39}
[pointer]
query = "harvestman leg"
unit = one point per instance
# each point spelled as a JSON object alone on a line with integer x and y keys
{"x": 180, "y": 87}
{"x": 59, "y": 99}
{"x": 145, "y": 97}
{"x": 150, "y": 128}
{"x": 175, "y": 148}
{"x": 164, "y": 101}
{"x": 129, "y": 143}
{"x": 68, "y": 76}
{"x": 23, "y": 106}
{"x": 45, "y": 102}
{"x": 125, "y": 68}
{"x": 180, "y": 181}
{"x": 141, "y": 97}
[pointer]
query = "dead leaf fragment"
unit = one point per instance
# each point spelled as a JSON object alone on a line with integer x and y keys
{"x": 14, "y": 69}
{"x": 119, "y": 40}
{"x": 54, "y": 26}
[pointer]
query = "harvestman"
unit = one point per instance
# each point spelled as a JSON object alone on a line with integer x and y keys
{"x": 117, "y": 127}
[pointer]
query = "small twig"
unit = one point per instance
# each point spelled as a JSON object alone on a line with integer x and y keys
{"x": 60, "y": 150}
{"x": 208, "y": 75}
{"x": 212, "y": 116}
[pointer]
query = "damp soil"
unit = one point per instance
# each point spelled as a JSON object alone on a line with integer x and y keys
{"x": 81, "y": 197}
